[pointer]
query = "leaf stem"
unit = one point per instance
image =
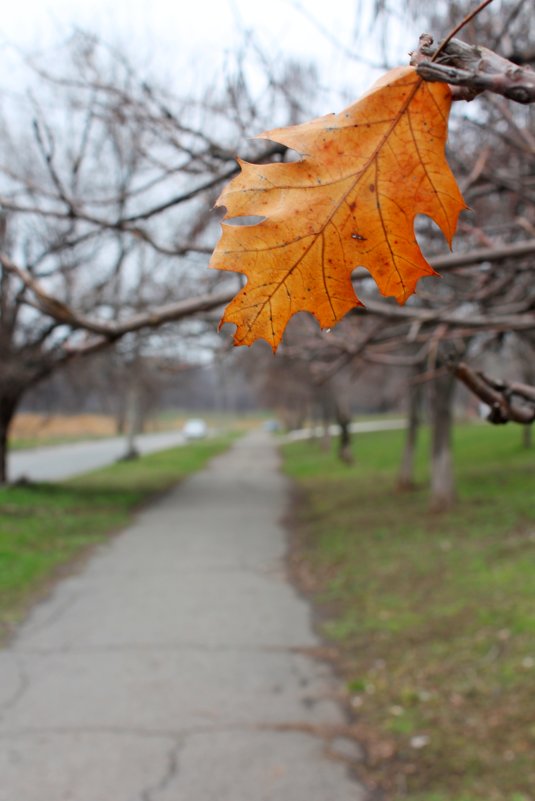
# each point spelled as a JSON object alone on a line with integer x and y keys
{"x": 469, "y": 17}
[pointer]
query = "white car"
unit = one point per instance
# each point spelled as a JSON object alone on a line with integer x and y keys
{"x": 195, "y": 429}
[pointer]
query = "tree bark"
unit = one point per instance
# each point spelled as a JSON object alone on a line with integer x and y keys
{"x": 8, "y": 406}
{"x": 326, "y": 435}
{"x": 132, "y": 421}
{"x": 406, "y": 480}
{"x": 327, "y": 413}
{"x": 120, "y": 420}
{"x": 443, "y": 493}
{"x": 343, "y": 418}
{"x": 527, "y": 435}
{"x": 345, "y": 453}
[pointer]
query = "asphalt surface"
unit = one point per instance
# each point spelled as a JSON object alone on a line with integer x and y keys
{"x": 65, "y": 461}
{"x": 59, "y": 462}
{"x": 177, "y": 665}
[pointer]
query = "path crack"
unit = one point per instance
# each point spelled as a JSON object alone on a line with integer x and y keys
{"x": 170, "y": 773}
{"x": 56, "y": 614}
{"x": 23, "y": 683}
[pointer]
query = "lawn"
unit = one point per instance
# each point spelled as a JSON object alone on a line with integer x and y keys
{"x": 432, "y": 616}
{"x": 45, "y": 527}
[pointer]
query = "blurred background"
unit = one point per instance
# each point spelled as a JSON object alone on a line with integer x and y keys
{"x": 119, "y": 126}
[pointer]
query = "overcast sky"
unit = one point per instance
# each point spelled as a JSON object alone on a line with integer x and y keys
{"x": 181, "y": 37}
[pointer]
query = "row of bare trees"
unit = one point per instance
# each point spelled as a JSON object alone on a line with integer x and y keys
{"x": 107, "y": 183}
{"x": 481, "y": 316}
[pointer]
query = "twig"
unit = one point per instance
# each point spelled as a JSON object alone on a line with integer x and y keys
{"x": 501, "y": 396}
{"x": 499, "y": 322}
{"x": 515, "y": 250}
{"x": 469, "y": 17}
{"x": 113, "y": 330}
{"x": 473, "y": 69}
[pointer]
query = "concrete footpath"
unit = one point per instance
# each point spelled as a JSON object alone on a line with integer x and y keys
{"x": 175, "y": 666}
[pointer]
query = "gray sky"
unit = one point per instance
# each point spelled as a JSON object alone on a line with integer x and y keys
{"x": 188, "y": 39}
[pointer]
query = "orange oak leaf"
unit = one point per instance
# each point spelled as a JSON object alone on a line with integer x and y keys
{"x": 351, "y": 201}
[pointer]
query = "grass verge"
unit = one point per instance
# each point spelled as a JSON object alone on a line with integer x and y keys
{"x": 433, "y": 617}
{"x": 44, "y": 527}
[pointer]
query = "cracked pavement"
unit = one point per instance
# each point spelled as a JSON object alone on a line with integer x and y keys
{"x": 174, "y": 666}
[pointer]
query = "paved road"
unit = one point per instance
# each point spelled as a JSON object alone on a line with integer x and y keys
{"x": 177, "y": 665}
{"x": 64, "y": 461}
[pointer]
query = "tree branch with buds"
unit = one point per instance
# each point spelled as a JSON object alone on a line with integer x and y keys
{"x": 472, "y": 69}
{"x": 508, "y": 401}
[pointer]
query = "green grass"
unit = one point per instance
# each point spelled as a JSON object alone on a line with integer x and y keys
{"x": 45, "y": 526}
{"x": 433, "y": 615}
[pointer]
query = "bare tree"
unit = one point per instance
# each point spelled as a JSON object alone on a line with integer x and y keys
{"x": 160, "y": 175}
{"x": 486, "y": 295}
{"x": 106, "y": 187}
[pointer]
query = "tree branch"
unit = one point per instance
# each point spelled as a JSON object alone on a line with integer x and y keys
{"x": 474, "y": 69}
{"x": 501, "y": 396}
{"x": 500, "y": 322}
{"x": 515, "y": 250}
{"x": 111, "y": 331}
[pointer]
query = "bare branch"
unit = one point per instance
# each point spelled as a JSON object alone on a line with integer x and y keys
{"x": 51, "y": 306}
{"x": 515, "y": 250}
{"x": 513, "y": 322}
{"x": 509, "y": 402}
{"x": 475, "y": 69}
{"x": 112, "y": 331}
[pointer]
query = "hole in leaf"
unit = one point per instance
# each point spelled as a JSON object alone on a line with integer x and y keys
{"x": 249, "y": 219}
{"x": 429, "y": 236}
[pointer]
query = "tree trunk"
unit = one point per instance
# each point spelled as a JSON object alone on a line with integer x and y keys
{"x": 406, "y": 480}
{"x": 326, "y": 435}
{"x": 120, "y": 420}
{"x": 442, "y": 390}
{"x": 8, "y": 406}
{"x": 132, "y": 422}
{"x": 343, "y": 418}
{"x": 325, "y": 422}
{"x": 345, "y": 453}
{"x": 3, "y": 451}
{"x": 527, "y": 435}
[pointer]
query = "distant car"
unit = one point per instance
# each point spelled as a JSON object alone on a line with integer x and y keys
{"x": 195, "y": 429}
{"x": 271, "y": 426}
